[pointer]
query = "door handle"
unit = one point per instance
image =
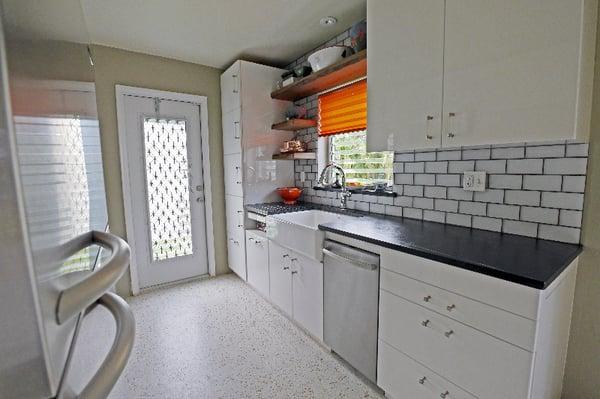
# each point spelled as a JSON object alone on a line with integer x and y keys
{"x": 79, "y": 296}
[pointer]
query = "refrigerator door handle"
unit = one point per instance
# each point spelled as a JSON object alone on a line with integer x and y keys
{"x": 76, "y": 298}
{"x": 111, "y": 368}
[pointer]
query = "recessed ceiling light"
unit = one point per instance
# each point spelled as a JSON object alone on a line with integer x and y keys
{"x": 328, "y": 21}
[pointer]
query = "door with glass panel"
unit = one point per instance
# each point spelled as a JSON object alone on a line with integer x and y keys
{"x": 164, "y": 153}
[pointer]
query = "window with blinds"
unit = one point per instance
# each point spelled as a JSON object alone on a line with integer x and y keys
{"x": 343, "y": 120}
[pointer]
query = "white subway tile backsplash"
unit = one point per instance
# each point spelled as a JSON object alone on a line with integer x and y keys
{"x": 472, "y": 208}
{"x": 539, "y": 215}
{"x": 448, "y": 180}
{"x": 398, "y": 167}
{"x": 570, "y": 218}
{"x": 494, "y": 166}
{"x": 495, "y": 196}
{"x": 542, "y": 182}
{"x": 525, "y": 166}
{"x": 565, "y": 166}
{"x": 412, "y": 213}
{"x": 403, "y": 201}
{"x": 405, "y": 157}
{"x": 461, "y": 166}
{"x": 485, "y": 223}
{"x": 435, "y": 192}
{"x": 446, "y": 205}
{"x": 385, "y": 200}
{"x": 377, "y": 208}
{"x": 413, "y": 191}
{"x": 436, "y": 167}
{"x": 425, "y": 179}
{"x": 504, "y": 211}
{"x": 545, "y": 151}
{"x": 559, "y": 233}
{"x": 393, "y": 210}
{"x": 505, "y": 181}
{"x": 520, "y": 197}
{"x": 425, "y": 156}
{"x": 448, "y": 155}
{"x": 508, "y": 152}
{"x": 573, "y": 184}
{"x": 414, "y": 167}
{"x": 457, "y": 193}
{"x": 434, "y": 216}
{"x": 577, "y": 149}
{"x": 458, "y": 219}
{"x": 404, "y": 178}
{"x": 520, "y": 228}
{"x": 563, "y": 200}
{"x": 480, "y": 153}
{"x": 423, "y": 203}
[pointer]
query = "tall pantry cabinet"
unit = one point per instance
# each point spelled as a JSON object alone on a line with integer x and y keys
{"x": 251, "y": 175}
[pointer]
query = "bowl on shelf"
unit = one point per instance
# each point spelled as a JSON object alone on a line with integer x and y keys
{"x": 289, "y": 195}
{"x": 326, "y": 57}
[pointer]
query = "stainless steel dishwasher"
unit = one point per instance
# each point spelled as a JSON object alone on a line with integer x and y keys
{"x": 351, "y": 304}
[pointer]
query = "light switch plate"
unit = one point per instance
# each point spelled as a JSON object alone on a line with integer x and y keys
{"x": 474, "y": 181}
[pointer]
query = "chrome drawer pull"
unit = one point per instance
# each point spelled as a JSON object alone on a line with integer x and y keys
{"x": 294, "y": 271}
{"x": 286, "y": 255}
{"x": 450, "y": 308}
{"x": 286, "y": 268}
{"x": 427, "y": 298}
{"x": 444, "y": 394}
{"x": 422, "y": 380}
{"x": 425, "y": 323}
{"x": 449, "y": 333}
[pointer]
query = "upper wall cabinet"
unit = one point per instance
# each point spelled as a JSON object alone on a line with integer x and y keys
{"x": 467, "y": 72}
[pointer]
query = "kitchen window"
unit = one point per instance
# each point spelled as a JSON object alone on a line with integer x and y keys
{"x": 343, "y": 123}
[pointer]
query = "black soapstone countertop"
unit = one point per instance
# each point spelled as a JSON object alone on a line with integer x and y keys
{"x": 522, "y": 260}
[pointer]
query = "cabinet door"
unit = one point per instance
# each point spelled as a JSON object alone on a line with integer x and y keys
{"x": 257, "y": 262}
{"x": 234, "y": 209}
{"x": 280, "y": 278}
{"x": 232, "y": 132}
{"x": 232, "y": 168}
{"x": 231, "y": 88}
{"x": 236, "y": 252}
{"x": 307, "y": 289}
{"x": 511, "y": 70}
{"x": 405, "y": 42}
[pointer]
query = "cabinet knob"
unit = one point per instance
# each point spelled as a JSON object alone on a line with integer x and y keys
{"x": 425, "y": 323}
{"x": 422, "y": 380}
{"x": 449, "y": 333}
{"x": 429, "y": 137}
{"x": 427, "y": 298}
{"x": 286, "y": 268}
{"x": 451, "y": 135}
{"x": 257, "y": 242}
{"x": 450, "y": 308}
{"x": 294, "y": 271}
{"x": 444, "y": 394}
{"x": 286, "y": 255}
{"x": 293, "y": 259}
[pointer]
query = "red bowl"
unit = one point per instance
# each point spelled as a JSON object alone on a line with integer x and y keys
{"x": 289, "y": 194}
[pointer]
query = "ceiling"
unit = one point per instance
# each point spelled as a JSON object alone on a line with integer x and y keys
{"x": 209, "y": 32}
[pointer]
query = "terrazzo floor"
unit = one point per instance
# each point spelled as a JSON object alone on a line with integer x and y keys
{"x": 216, "y": 338}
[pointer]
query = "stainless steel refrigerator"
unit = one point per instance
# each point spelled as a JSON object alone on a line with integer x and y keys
{"x": 58, "y": 260}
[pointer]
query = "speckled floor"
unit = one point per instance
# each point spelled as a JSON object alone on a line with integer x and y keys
{"x": 217, "y": 338}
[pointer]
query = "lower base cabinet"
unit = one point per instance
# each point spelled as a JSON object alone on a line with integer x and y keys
{"x": 257, "y": 261}
{"x": 296, "y": 287}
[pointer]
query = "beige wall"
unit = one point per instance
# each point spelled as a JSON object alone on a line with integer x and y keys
{"x": 582, "y": 374}
{"x": 113, "y": 66}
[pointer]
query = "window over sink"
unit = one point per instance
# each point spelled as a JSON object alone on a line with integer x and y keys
{"x": 343, "y": 128}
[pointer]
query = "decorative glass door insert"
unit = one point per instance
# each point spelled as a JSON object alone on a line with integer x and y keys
{"x": 168, "y": 188}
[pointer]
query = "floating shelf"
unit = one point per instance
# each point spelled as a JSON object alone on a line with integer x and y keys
{"x": 296, "y": 155}
{"x": 348, "y": 69}
{"x": 294, "y": 124}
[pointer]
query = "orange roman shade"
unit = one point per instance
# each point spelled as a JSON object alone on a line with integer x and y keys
{"x": 343, "y": 110}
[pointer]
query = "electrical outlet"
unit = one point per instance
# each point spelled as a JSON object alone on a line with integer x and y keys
{"x": 474, "y": 181}
{"x": 303, "y": 176}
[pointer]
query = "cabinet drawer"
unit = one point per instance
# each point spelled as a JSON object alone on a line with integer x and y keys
{"x": 231, "y": 88}
{"x": 232, "y": 168}
{"x": 401, "y": 377}
{"x": 236, "y": 252}
{"x": 499, "y": 323}
{"x": 515, "y": 298}
{"x": 484, "y": 365}
{"x": 232, "y": 131}
{"x": 234, "y": 209}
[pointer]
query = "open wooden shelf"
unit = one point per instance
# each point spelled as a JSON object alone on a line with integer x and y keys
{"x": 296, "y": 155}
{"x": 294, "y": 124}
{"x": 348, "y": 69}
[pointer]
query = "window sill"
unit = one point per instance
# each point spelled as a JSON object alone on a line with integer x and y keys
{"x": 354, "y": 190}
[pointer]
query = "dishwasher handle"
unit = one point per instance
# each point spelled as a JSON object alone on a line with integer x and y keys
{"x": 355, "y": 262}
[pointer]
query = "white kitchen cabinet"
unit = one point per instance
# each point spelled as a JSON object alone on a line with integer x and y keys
{"x": 492, "y": 338}
{"x": 307, "y": 294}
{"x": 296, "y": 287}
{"x": 257, "y": 261}
{"x": 280, "y": 278}
{"x": 480, "y": 72}
{"x": 406, "y": 47}
{"x": 251, "y": 175}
